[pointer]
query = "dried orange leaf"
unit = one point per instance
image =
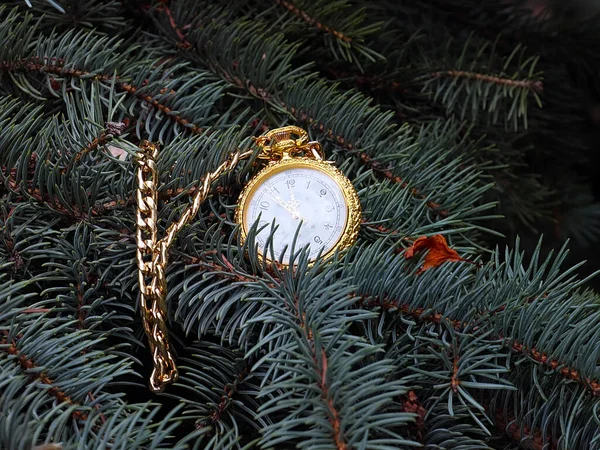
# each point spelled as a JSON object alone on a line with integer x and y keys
{"x": 438, "y": 253}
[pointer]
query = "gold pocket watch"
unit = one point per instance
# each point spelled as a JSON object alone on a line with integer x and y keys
{"x": 298, "y": 195}
{"x": 297, "y": 192}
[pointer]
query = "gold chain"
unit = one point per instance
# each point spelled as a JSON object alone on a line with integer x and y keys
{"x": 152, "y": 256}
{"x": 152, "y": 253}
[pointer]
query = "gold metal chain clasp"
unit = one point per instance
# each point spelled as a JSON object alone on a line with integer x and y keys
{"x": 288, "y": 142}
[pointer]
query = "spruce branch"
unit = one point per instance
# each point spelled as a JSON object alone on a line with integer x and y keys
{"x": 228, "y": 393}
{"x": 163, "y": 6}
{"x": 532, "y": 85}
{"x": 532, "y": 438}
{"x": 486, "y": 82}
{"x": 289, "y": 5}
{"x": 426, "y": 315}
{"x": 29, "y": 367}
{"x": 57, "y": 67}
{"x": 367, "y": 160}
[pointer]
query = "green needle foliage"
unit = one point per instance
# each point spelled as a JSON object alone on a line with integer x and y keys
{"x": 438, "y": 112}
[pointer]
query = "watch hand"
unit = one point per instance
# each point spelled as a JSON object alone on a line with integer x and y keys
{"x": 295, "y": 204}
{"x": 293, "y": 197}
{"x": 278, "y": 199}
{"x": 286, "y": 206}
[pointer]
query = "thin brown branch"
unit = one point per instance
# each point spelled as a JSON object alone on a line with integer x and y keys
{"x": 334, "y": 416}
{"x": 455, "y": 381}
{"x": 183, "y": 42}
{"x": 312, "y": 21}
{"x": 56, "y": 67}
{"x": 229, "y": 390}
{"x": 561, "y": 368}
{"x": 112, "y": 129}
{"x": 28, "y": 365}
{"x": 532, "y": 85}
{"x": 418, "y": 313}
{"x": 532, "y": 440}
{"x": 92, "y": 146}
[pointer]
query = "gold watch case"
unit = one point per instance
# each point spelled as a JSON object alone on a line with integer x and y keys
{"x": 354, "y": 214}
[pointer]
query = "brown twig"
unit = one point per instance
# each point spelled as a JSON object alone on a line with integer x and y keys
{"x": 418, "y": 313}
{"x": 28, "y": 365}
{"x": 184, "y": 43}
{"x": 56, "y": 67}
{"x": 112, "y": 129}
{"x": 229, "y": 390}
{"x": 312, "y": 21}
{"x": 92, "y": 146}
{"x": 334, "y": 417}
{"x": 567, "y": 372}
{"x": 455, "y": 381}
{"x": 512, "y": 429}
{"x": 533, "y": 85}
{"x": 226, "y": 272}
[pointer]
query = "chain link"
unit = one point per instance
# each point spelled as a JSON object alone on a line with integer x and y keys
{"x": 152, "y": 256}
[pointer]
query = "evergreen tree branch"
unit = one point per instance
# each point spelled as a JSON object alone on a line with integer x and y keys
{"x": 164, "y": 7}
{"x": 229, "y": 392}
{"x": 289, "y": 5}
{"x": 29, "y": 367}
{"x": 367, "y": 160}
{"x": 532, "y": 438}
{"x": 426, "y": 315}
{"x": 333, "y": 413}
{"x": 532, "y": 85}
{"x": 112, "y": 129}
{"x": 57, "y": 67}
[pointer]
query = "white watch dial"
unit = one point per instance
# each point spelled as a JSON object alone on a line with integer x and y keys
{"x": 297, "y": 197}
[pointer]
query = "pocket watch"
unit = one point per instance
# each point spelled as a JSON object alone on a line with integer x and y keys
{"x": 298, "y": 195}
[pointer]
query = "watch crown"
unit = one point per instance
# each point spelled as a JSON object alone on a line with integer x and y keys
{"x": 287, "y": 141}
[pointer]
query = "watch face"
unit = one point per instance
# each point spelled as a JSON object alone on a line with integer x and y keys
{"x": 296, "y": 199}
